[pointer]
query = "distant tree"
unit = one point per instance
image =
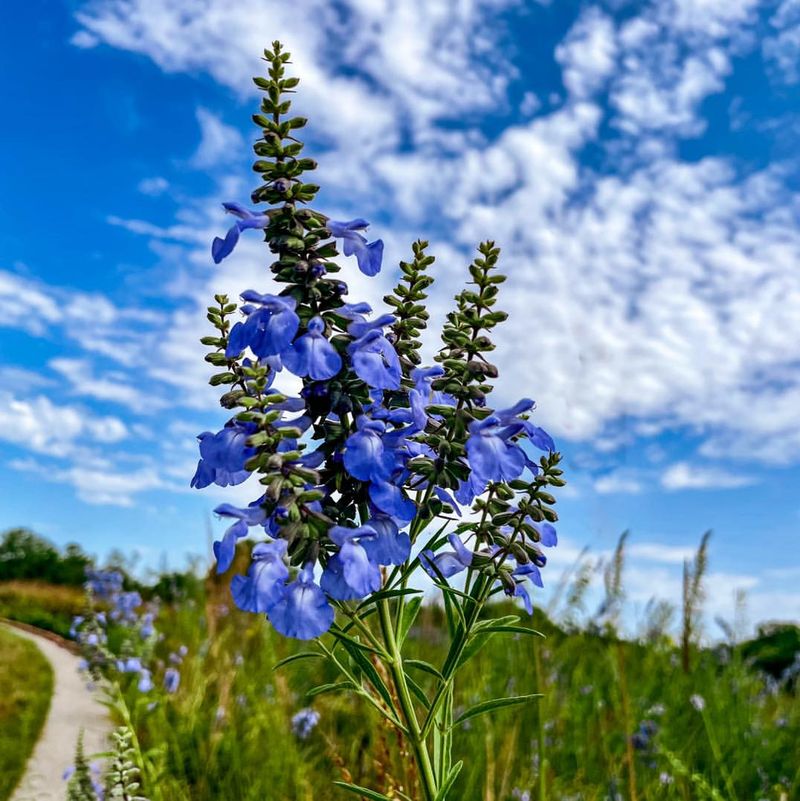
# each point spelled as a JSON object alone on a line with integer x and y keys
{"x": 26, "y": 555}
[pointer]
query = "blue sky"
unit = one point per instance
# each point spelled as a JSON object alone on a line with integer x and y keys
{"x": 636, "y": 161}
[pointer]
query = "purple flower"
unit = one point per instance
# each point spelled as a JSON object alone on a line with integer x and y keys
{"x": 220, "y": 248}
{"x": 265, "y": 583}
{"x": 387, "y": 545}
{"x": 375, "y": 361}
{"x": 303, "y": 722}
{"x": 521, "y": 572}
{"x": 223, "y": 456}
{"x": 145, "y": 681}
{"x": 364, "y": 456}
{"x": 312, "y": 355}
{"x": 303, "y": 612}
{"x": 172, "y": 679}
{"x": 225, "y": 549}
{"x": 350, "y": 574}
{"x": 446, "y": 563}
{"x": 270, "y": 326}
{"x": 368, "y": 254}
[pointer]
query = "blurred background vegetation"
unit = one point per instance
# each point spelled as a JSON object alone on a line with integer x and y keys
{"x": 660, "y": 714}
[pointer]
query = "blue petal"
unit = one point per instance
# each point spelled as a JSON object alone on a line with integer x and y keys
{"x": 370, "y": 258}
{"x": 265, "y": 583}
{"x": 364, "y": 456}
{"x": 391, "y": 500}
{"x": 312, "y": 355}
{"x": 388, "y": 545}
{"x": 225, "y": 549}
{"x": 221, "y": 248}
{"x": 333, "y": 582}
{"x": 547, "y": 535}
{"x": 304, "y": 612}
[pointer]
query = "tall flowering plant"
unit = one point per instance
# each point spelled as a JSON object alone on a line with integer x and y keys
{"x": 379, "y": 466}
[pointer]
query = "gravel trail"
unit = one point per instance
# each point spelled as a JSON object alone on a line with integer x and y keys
{"x": 72, "y": 708}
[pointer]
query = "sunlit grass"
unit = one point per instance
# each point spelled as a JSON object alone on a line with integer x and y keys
{"x": 26, "y": 684}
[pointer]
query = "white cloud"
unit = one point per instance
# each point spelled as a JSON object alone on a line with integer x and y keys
{"x": 683, "y": 475}
{"x": 219, "y": 143}
{"x": 588, "y": 53}
{"x": 617, "y": 278}
{"x": 113, "y": 387}
{"x": 42, "y": 426}
{"x": 154, "y": 186}
{"x": 98, "y": 484}
{"x": 618, "y": 482}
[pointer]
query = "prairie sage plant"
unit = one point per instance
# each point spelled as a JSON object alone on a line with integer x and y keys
{"x": 380, "y": 466}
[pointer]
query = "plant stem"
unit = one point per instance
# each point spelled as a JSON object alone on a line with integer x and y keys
{"x": 420, "y": 749}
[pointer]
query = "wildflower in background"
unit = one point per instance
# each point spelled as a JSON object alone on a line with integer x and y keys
{"x": 368, "y": 254}
{"x": 304, "y": 722}
{"x": 698, "y": 702}
{"x": 145, "y": 681}
{"x": 172, "y": 679}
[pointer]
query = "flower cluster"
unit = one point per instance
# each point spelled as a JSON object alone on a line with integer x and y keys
{"x": 109, "y": 604}
{"x": 375, "y": 445}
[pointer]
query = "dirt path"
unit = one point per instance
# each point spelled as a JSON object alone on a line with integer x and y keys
{"x": 72, "y": 708}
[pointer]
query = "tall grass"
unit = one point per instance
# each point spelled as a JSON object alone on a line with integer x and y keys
{"x": 616, "y": 719}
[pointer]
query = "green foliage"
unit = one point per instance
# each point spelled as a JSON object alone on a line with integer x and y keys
{"x": 80, "y": 786}
{"x": 122, "y": 776}
{"x": 226, "y": 734}
{"x": 26, "y": 684}
{"x": 26, "y": 555}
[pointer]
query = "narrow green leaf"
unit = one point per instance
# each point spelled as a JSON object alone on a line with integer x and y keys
{"x": 512, "y": 630}
{"x": 427, "y": 667}
{"x": 387, "y": 594}
{"x": 373, "y": 795}
{"x": 410, "y": 612}
{"x": 418, "y": 691}
{"x": 335, "y": 687}
{"x": 297, "y": 658}
{"x": 448, "y": 783}
{"x": 495, "y": 703}
{"x": 368, "y": 669}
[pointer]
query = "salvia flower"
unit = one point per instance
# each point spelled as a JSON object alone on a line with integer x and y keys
{"x": 221, "y": 248}
{"x": 265, "y": 583}
{"x": 350, "y": 574}
{"x": 270, "y": 326}
{"x": 312, "y": 355}
{"x": 447, "y": 563}
{"x": 368, "y": 254}
{"x": 303, "y": 612}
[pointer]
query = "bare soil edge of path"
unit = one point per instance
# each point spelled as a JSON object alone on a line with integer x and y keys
{"x": 72, "y": 709}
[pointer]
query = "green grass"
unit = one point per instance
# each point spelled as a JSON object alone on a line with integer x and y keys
{"x": 225, "y": 736}
{"x": 46, "y": 606}
{"x": 26, "y": 684}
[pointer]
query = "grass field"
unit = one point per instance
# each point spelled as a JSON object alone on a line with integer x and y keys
{"x": 26, "y": 684}
{"x": 616, "y": 719}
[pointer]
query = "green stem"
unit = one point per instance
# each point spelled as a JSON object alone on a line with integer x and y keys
{"x": 715, "y": 749}
{"x": 418, "y": 745}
